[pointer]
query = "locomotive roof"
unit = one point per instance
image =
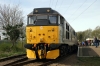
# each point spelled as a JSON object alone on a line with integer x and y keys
{"x": 43, "y": 11}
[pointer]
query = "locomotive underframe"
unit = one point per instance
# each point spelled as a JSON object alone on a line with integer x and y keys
{"x": 48, "y": 51}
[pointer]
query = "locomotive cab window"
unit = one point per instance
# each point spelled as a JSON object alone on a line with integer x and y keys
{"x": 61, "y": 20}
{"x": 74, "y": 32}
{"x": 53, "y": 19}
{"x": 67, "y": 35}
{"x": 31, "y": 19}
{"x": 67, "y": 27}
{"x": 42, "y": 20}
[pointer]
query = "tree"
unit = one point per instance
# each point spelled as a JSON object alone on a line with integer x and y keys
{"x": 96, "y": 32}
{"x": 87, "y": 34}
{"x": 80, "y": 36}
{"x": 22, "y": 34}
{"x": 11, "y": 20}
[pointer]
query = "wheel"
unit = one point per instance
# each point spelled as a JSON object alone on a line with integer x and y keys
{"x": 63, "y": 50}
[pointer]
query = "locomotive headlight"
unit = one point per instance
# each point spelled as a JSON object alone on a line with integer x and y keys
{"x": 36, "y": 10}
{"x": 48, "y": 10}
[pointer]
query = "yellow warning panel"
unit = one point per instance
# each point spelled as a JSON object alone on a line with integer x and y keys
{"x": 31, "y": 54}
{"x": 52, "y": 54}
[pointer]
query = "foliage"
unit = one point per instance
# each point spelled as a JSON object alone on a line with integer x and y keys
{"x": 5, "y": 46}
{"x": 13, "y": 31}
{"x": 80, "y": 36}
{"x": 89, "y": 33}
{"x": 96, "y": 32}
{"x": 11, "y": 20}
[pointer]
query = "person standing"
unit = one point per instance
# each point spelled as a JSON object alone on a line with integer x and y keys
{"x": 83, "y": 43}
{"x": 86, "y": 43}
{"x": 96, "y": 42}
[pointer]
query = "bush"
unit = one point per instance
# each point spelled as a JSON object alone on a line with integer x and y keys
{"x": 6, "y": 50}
{"x": 4, "y": 47}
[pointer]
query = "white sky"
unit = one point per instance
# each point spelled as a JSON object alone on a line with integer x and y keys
{"x": 80, "y": 14}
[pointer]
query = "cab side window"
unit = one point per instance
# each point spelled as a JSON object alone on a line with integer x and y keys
{"x": 61, "y": 20}
{"x": 67, "y": 31}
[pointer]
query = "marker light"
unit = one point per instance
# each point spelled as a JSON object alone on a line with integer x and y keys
{"x": 48, "y": 10}
{"x": 36, "y": 10}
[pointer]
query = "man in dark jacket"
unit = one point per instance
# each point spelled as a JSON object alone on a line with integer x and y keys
{"x": 96, "y": 42}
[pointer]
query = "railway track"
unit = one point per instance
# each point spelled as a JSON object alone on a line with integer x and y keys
{"x": 53, "y": 61}
{"x": 57, "y": 60}
{"x": 47, "y": 62}
{"x": 22, "y": 60}
{"x": 11, "y": 59}
{"x": 27, "y": 62}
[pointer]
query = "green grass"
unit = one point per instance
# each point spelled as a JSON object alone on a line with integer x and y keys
{"x": 90, "y": 61}
{"x": 6, "y": 51}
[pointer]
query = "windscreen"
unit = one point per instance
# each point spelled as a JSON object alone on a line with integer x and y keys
{"x": 42, "y": 20}
{"x": 31, "y": 19}
{"x": 53, "y": 19}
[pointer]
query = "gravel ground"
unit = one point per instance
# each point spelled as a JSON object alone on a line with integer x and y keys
{"x": 68, "y": 61}
{"x": 71, "y": 60}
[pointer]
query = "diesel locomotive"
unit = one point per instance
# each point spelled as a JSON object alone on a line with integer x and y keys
{"x": 48, "y": 35}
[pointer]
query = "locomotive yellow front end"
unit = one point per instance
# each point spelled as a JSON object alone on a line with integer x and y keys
{"x": 40, "y": 42}
{"x": 42, "y": 34}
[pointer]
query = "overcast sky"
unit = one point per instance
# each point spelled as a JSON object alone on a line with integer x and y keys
{"x": 80, "y": 14}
